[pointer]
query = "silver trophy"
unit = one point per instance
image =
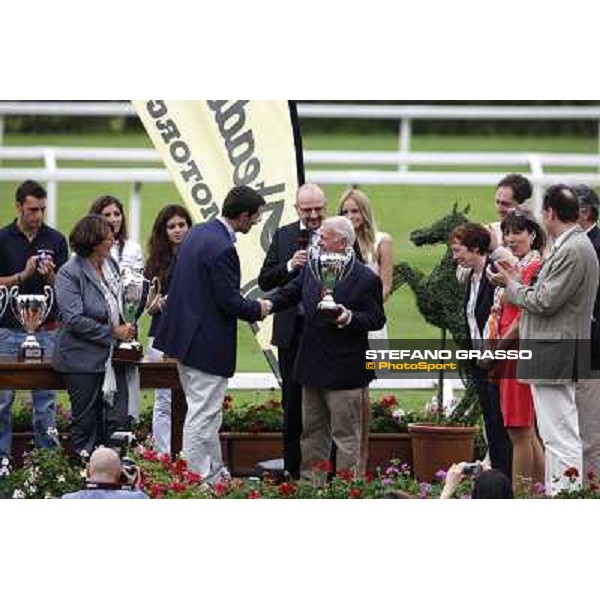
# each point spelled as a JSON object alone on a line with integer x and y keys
{"x": 330, "y": 268}
{"x": 31, "y": 310}
{"x": 3, "y": 299}
{"x": 137, "y": 294}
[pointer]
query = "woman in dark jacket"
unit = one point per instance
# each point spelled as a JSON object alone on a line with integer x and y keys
{"x": 170, "y": 227}
{"x": 87, "y": 294}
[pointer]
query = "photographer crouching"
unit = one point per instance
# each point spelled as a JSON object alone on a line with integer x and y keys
{"x": 108, "y": 478}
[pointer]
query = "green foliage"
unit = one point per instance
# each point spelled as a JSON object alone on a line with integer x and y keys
{"x": 22, "y": 415}
{"x": 45, "y": 474}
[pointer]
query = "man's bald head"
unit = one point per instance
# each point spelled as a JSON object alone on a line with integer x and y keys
{"x": 310, "y": 205}
{"x": 104, "y": 466}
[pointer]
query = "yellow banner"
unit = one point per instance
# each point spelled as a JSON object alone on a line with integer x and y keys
{"x": 210, "y": 146}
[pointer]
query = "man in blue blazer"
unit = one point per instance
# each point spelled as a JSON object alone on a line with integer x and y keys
{"x": 284, "y": 262}
{"x": 331, "y": 358}
{"x": 199, "y": 324}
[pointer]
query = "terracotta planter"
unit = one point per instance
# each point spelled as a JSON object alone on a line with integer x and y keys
{"x": 23, "y": 441}
{"x": 436, "y": 447}
{"x": 243, "y": 451}
{"x": 383, "y": 447}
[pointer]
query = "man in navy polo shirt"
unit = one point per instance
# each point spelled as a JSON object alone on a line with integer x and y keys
{"x": 30, "y": 255}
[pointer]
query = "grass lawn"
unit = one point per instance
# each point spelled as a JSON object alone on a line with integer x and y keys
{"x": 399, "y": 209}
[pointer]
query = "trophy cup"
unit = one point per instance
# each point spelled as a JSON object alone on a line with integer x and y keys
{"x": 31, "y": 311}
{"x": 137, "y": 294}
{"x": 3, "y": 299}
{"x": 330, "y": 268}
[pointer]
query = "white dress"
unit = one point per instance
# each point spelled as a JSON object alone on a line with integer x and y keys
{"x": 132, "y": 255}
{"x": 380, "y": 334}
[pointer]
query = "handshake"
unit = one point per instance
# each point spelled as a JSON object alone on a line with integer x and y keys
{"x": 266, "y": 308}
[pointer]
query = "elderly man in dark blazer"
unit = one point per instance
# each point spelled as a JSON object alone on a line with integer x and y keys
{"x": 555, "y": 326}
{"x": 284, "y": 262}
{"x": 199, "y": 324}
{"x": 331, "y": 359}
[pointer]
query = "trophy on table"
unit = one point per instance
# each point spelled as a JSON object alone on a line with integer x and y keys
{"x": 31, "y": 310}
{"x": 3, "y": 299}
{"x": 137, "y": 294}
{"x": 330, "y": 268}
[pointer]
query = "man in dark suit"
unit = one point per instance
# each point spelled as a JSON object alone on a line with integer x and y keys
{"x": 331, "y": 358}
{"x": 588, "y": 390}
{"x": 198, "y": 326}
{"x": 284, "y": 262}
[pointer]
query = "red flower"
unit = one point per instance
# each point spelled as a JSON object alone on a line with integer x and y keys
{"x": 157, "y": 490}
{"x": 179, "y": 466}
{"x": 221, "y": 487}
{"x": 369, "y": 477}
{"x": 177, "y": 486}
{"x": 191, "y": 477}
{"x": 594, "y": 486}
{"x": 572, "y": 473}
{"x": 252, "y": 494}
{"x": 287, "y": 488}
{"x": 346, "y": 475}
{"x": 354, "y": 493}
{"x": 591, "y": 476}
{"x": 388, "y": 401}
{"x": 165, "y": 459}
{"x": 149, "y": 454}
{"x": 324, "y": 466}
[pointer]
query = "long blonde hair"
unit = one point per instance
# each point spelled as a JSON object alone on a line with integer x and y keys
{"x": 367, "y": 233}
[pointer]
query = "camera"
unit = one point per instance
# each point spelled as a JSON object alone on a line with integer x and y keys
{"x": 120, "y": 442}
{"x": 472, "y": 469}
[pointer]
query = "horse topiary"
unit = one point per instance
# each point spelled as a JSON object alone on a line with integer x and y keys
{"x": 439, "y": 299}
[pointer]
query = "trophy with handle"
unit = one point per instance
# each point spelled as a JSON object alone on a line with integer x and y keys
{"x": 137, "y": 294}
{"x": 4, "y": 296}
{"x": 31, "y": 310}
{"x": 330, "y": 268}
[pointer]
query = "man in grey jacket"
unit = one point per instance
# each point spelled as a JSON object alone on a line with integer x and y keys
{"x": 555, "y": 326}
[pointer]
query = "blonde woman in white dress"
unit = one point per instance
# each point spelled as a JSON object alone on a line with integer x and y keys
{"x": 377, "y": 249}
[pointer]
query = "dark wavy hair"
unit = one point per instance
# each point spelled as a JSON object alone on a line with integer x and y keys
{"x": 160, "y": 250}
{"x": 518, "y": 222}
{"x": 473, "y": 236}
{"x": 100, "y": 204}
{"x": 492, "y": 485}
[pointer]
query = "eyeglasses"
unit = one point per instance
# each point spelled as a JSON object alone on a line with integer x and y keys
{"x": 309, "y": 211}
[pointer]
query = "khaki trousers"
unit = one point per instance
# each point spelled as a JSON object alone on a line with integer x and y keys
{"x": 331, "y": 415}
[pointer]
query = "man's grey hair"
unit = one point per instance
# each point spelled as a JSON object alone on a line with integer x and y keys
{"x": 343, "y": 227}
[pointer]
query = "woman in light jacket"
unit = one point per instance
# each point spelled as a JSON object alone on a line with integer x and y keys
{"x": 87, "y": 294}
{"x": 126, "y": 252}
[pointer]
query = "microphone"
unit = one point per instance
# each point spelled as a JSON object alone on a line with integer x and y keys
{"x": 303, "y": 239}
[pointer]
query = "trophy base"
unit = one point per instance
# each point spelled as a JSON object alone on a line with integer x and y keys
{"x": 128, "y": 353}
{"x": 31, "y": 354}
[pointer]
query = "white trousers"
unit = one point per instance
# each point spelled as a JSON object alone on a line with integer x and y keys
{"x": 161, "y": 411}
{"x": 558, "y": 425}
{"x": 204, "y": 394}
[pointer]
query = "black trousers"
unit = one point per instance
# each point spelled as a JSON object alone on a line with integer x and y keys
{"x": 93, "y": 420}
{"x": 291, "y": 400}
{"x": 499, "y": 444}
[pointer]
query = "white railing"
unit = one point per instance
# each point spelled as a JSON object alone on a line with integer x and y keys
{"x": 404, "y": 114}
{"x": 534, "y": 164}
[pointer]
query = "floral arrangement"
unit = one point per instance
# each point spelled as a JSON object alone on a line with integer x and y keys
{"x": 50, "y": 474}
{"x": 387, "y": 416}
